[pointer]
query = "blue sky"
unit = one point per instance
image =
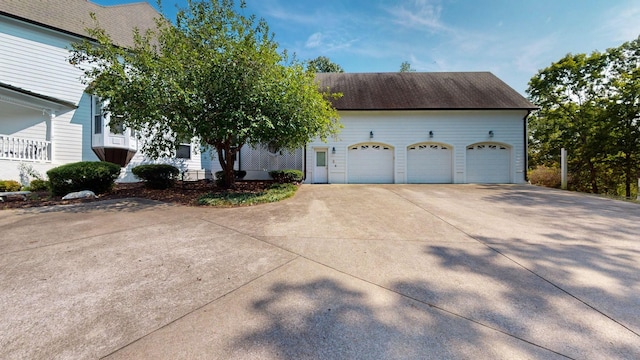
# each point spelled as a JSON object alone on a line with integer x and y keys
{"x": 511, "y": 38}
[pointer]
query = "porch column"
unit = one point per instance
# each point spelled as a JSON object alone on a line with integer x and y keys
{"x": 51, "y": 133}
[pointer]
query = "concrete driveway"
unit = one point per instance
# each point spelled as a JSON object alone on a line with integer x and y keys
{"x": 337, "y": 272}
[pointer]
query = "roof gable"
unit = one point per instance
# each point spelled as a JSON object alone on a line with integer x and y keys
{"x": 422, "y": 91}
{"x": 73, "y": 16}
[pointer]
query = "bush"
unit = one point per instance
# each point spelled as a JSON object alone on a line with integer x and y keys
{"x": 39, "y": 185}
{"x": 545, "y": 176}
{"x": 240, "y": 174}
{"x": 286, "y": 176}
{"x": 9, "y": 185}
{"x": 97, "y": 176}
{"x": 156, "y": 176}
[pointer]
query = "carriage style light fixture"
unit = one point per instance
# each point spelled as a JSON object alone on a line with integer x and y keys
{"x": 333, "y": 150}
{"x": 490, "y": 133}
{"x": 430, "y": 133}
{"x": 370, "y": 134}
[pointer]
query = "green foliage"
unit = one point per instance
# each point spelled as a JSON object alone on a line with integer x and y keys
{"x": 275, "y": 192}
{"x": 9, "y": 185}
{"x": 590, "y": 105}
{"x": 97, "y": 176}
{"x": 323, "y": 64}
{"x": 156, "y": 176}
{"x": 39, "y": 185}
{"x": 220, "y": 176}
{"x": 216, "y": 76}
{"x": 545, "y": 176}
{"x": 406, "y": 67}
{"x": 287, "y": 176}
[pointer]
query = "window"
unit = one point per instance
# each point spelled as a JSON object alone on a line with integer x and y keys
{"x": 97, "y": 115}
{"x": 321, "y": 159}
{"x": 184, "y": 151}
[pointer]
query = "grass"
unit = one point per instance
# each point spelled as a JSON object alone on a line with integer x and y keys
{"x": 275, "y": 192}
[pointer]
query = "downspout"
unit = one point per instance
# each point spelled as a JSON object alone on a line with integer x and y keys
{"x": 526, "y": 145}
{"x": 304, "y": 164}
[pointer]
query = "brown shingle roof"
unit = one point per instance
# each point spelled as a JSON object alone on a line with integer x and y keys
{"x": 422, "y": 91}
{"x": 72, "y": 16}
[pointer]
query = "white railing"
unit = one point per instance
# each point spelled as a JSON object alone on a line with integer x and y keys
{"x": 16, "y": 148}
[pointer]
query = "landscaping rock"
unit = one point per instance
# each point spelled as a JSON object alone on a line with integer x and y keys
{"x": 84, "y": 194}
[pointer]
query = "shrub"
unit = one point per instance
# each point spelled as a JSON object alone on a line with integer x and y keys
{"x": 10, "y": 185}
{"x": 545, "y": 176}
{"x": 97, "y": 176}
{"x": 39, "y": 185}
{"x": 157, "y": 176}
{"x": 240, "y": 174}
{"x": 286, "y": 176}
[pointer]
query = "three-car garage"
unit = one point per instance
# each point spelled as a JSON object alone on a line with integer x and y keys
{"x": 423, "y": 128}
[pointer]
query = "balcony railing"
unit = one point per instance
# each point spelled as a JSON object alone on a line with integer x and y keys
{"x": 16, "y": 148}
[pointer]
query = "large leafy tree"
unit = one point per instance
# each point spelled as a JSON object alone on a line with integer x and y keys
{"x": 590, "y": 105}
{"x": 214, "y": 77}
{"x": 323, "y": 64}
{"x": 406, "y": 67}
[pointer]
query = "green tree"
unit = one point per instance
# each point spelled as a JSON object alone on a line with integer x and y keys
{"x": 406, "y": 67}
{"x": 214, "y": 76}
{"x": 323, "y": 64}
{"x": 623, "y": 110}
{"x": 590, "y": 105}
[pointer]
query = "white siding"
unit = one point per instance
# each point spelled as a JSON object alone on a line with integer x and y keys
{"x": 36, "y": 59}
{"x": 400, "y": 129}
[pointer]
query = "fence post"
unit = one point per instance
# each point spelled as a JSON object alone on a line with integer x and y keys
{"x": 563, "y": 169}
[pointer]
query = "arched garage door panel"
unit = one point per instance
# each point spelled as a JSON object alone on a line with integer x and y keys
{"x": 488, "y": 164}
{"x": 429, "y": 163}
{"x": 370, "y": 164}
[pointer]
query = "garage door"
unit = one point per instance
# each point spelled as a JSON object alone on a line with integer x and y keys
{"x": 429, "y": 163}
{"x": 370, "y": 164}
{"x": 488, "y": 164}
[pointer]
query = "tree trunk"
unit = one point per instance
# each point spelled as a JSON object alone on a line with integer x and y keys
{"x": 227, "y": 158}
{"x": 593, "y": 177}
{"x": 628, "y": 176}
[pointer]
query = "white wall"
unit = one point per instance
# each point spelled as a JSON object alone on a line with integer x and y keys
{"x": 36, "y": 59}
{"x": 400, "y": 129}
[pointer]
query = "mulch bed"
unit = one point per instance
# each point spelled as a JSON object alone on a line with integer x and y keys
{"x": 183, "y": 193}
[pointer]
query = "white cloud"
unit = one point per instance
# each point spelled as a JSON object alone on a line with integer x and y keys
{"x": 419, "y": 14}
{"x": 623, "y": 24}
{"x": 314, "y": 41}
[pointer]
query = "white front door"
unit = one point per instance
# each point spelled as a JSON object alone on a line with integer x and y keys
{"x": 320, "y": 173}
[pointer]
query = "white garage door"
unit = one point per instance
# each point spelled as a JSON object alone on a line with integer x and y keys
{"x": 370, "y": 164}
{"x": 429, "y": 163}
{"x": 488, "y": 164}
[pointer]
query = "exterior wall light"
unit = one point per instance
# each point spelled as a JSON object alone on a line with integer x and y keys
{"x": 430, "y": 133}
{"x": 333, "y": 150}
{"x": 490, "y": 133}
{"x": 370, "y": 134}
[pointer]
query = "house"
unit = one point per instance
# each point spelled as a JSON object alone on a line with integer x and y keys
{"x": 412, "y": 127}
{"x": 46, "y": 117}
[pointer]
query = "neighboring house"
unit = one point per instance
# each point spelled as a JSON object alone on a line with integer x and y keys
{"x": 411, "y": 127}
{"x": 46, "y": 118}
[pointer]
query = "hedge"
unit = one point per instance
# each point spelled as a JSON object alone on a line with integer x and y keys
{"x": 286, "y": 176}
{"x": 97, "y": 176}
{"x": 156, "y": 176}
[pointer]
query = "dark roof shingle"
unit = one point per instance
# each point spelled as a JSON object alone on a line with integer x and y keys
{"x": 73, "y": 16}
{"x": 422, "y": 91}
